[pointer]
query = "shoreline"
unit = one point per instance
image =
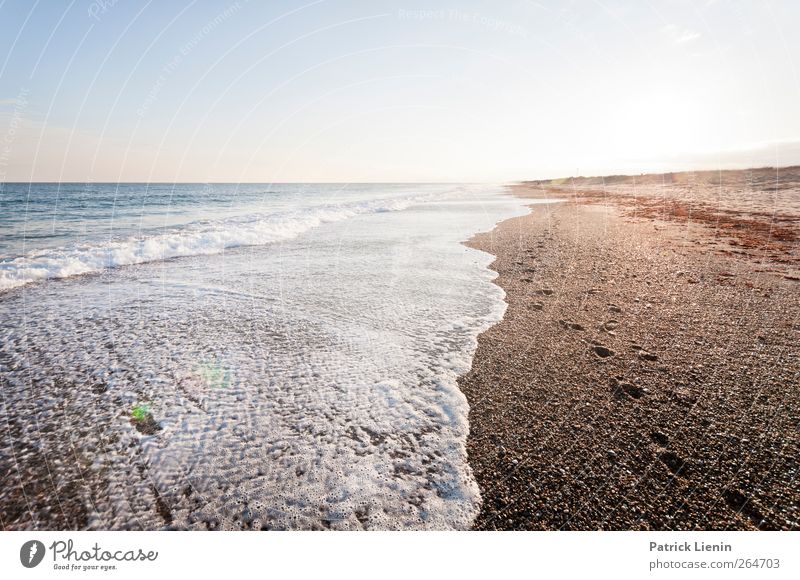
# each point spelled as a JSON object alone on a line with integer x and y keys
{"x": 642, "y": 375}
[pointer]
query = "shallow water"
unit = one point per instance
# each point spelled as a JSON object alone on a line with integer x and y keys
{"x": 307, "y": 382}
{"x": 61, "y": 230}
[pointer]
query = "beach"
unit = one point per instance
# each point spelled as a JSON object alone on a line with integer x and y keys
{"x": 275, "y": 357}
{"x": 298, "y": 357}
{"x": 645, "y": 374}
{"x": 450, "y": 269}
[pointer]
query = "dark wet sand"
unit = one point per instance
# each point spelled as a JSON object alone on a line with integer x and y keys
{"x": 646, "y": 374}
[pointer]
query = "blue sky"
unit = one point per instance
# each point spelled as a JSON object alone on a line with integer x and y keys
{"x": 393, "y": 91}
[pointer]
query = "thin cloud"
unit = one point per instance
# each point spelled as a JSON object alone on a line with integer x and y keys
{"x": 687, "y": 36}
{"x": 680, "y": 35}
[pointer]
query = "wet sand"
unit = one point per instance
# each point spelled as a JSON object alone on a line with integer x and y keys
{"x": 646, "y": 373}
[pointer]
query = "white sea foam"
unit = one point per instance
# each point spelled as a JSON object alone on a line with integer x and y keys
{"x": 310, "y": 385}
{"x": 205, "y": 238}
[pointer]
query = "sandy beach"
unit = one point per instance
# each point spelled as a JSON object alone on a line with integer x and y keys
{"x": 645, "y": 375}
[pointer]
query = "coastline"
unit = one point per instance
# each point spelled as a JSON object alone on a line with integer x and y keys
{"x": 642, "y": 375}
{"x": 306, "y": 385}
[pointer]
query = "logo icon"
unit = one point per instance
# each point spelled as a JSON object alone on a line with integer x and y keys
{"x": 31, "y": 553}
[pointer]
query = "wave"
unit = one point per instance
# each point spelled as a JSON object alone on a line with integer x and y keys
{"x": 202, "y": 238}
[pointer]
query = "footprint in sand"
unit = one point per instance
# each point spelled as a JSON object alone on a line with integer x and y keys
{"x": 620, "y": 389}
{"x": 537, "y": 305}
{"x": 643, "y": 354}
{"x": 602, "y": 351}
{"x": 609, "y": 327}
{"x": 614, "y": 308}
{"x": 659, "y": 438}
{"x": 570, "y": 325}
{"x": 745, "y": 506}
{"x": 674, "y": 463}
{"x": 543, "y": 292}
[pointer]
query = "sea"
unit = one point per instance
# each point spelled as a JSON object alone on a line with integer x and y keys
{"x": 241, "y": 356}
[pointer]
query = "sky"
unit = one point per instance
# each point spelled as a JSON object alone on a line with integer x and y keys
{"x": 345, "y": 91}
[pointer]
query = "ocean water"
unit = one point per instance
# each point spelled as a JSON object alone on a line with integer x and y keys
{"x": 241, "y": 357}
